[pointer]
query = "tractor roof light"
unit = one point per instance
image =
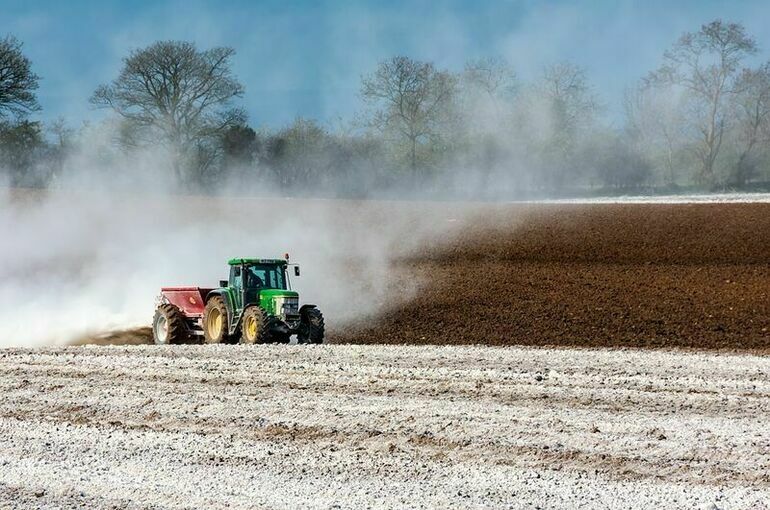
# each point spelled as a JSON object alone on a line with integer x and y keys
{"x": 286, "y": 256}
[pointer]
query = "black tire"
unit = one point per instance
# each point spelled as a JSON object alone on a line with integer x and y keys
{"x": 312, "y": 330}
{"x": 215, "y": 323}
{"x": 281, "y": 339}
{"x": 255, "y": 326}
{"x": 168, "y": 326}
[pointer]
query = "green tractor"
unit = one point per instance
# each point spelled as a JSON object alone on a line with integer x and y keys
{"x": 255, "y": 305}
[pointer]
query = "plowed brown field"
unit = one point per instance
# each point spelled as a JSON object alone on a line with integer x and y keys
{"x": 641, "y": 275}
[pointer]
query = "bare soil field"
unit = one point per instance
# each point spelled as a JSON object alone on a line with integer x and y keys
{"x": 642, "y": 275}
{"x": 382, "y": 427}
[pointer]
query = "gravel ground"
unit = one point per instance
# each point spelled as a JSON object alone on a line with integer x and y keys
{"x": 382, "y": 426}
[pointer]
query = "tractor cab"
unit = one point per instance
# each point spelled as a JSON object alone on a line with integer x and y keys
{"x": 265, "y": 283}
{"x": 255, "y": 276}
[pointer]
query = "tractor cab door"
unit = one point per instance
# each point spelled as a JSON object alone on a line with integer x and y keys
{"x": 236, "y": 283}
{"x": 253, "y": 282}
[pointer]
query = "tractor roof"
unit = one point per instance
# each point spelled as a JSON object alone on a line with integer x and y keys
{"x": 235, "y": 262}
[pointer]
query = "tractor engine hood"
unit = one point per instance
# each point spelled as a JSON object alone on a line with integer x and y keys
{"x": 278, "y": 293}
{"x": 280, "y": 303}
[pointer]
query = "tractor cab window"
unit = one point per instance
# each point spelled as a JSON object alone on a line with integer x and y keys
{"x": 235, "y": 276}
{"x": 262, "y": 276}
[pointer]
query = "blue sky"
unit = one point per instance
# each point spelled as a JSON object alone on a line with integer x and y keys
{"x": 306, "y": 57}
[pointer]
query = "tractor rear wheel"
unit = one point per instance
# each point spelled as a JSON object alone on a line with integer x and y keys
{"x": 168, "y": 325}
{"x": 312, "y": 331}
{"x": 215, "y": 326}
{"x": 254, "y": 326}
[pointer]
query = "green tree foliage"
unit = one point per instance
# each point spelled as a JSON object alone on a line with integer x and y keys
{"x": 299, "y": 155}
{"x": 22, "y": 149}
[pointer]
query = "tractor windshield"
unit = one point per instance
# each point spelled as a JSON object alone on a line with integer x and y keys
{"x": 264, "y": 276}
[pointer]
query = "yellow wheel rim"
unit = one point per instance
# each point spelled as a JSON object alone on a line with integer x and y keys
{"x": 215, "y": 323}
{"x": 251, "y": 328}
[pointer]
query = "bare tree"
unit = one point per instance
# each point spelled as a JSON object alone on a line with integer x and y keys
{"x": 17, "y": 81}
{"x": 571, "y": 107}
{"x": 492, "y": 76}
{"x": 171, "y": 92}
{"x": 572, "y": 100}
{"x": 655, "y": 122}
{"x": 706, "y": 64}
{"x": 752, "y": 113}
{"x": 485, "y": 101}
{"x": 487, "y": 88}
{"x": 412, "y": 97}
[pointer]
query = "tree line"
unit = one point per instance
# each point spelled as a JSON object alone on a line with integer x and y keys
{"x": 701, "y": 121}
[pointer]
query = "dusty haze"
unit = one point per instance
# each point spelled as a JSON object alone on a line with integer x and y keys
{"x": 86, "y": 262}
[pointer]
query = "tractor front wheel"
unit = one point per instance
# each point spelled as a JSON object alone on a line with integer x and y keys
{"x": 215, "y": 326}
{"x": 312, "y": 329}
{"x": 168, "y": 325}
{"x": 254, "y": 327}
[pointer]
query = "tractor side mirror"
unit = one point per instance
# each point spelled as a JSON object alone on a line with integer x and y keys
{"x": 296, "y": 270}
{"x": 223, "y": 283}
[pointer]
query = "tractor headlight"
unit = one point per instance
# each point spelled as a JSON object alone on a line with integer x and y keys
{"x": 286, "y": 306}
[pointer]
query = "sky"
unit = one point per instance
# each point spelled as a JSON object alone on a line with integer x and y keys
{"x": 306, "y": 58}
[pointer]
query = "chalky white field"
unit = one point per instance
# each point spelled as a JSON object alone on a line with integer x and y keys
{"x": 382, "y": 426}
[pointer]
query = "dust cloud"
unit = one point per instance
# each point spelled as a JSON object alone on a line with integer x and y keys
{"x": 76, "y": 263}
